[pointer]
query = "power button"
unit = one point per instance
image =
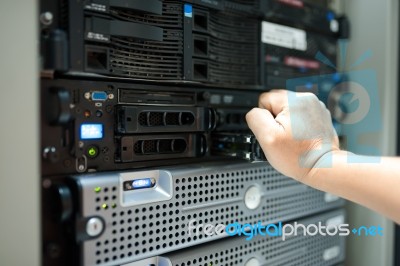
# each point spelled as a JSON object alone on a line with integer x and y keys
{"x": 92, "y": 151}
{"x": 252, "y": 197}
{"x": 252, "y": 262}
{"x": 94, "y": 226}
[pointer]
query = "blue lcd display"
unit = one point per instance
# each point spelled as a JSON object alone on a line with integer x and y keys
{"x": 91, "y": 131}
{"x": 143, "y": 183}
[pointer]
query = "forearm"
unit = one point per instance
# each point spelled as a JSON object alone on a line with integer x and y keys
{"x": 296, "y": 134}
{"x": 372, "y": 182}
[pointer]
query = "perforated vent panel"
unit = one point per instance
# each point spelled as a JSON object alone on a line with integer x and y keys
{"x": 211, "y": 193}
{"x": 233, "y": 60}
{"x": 296, "y": 250}
{"x": 165, "y": 118}
{"x": 150, "y": 59}
{"x": 157, "y": 147}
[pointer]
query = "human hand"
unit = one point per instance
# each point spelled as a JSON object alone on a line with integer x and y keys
{"x": 294, "y": 130}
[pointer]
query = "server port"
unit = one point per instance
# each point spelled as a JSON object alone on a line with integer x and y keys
{"x": 99, "y": 96}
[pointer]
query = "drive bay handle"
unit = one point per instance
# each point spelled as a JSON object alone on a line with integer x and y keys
{"x": 145, "y": 6}
{"x": 148, "y": 6}
{"x": 126, "y": 29}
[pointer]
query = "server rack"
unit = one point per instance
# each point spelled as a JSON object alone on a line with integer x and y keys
{"x": 136, "y": 95}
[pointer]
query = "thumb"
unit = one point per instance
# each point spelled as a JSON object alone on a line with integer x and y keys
{"x": 263, "y": 125}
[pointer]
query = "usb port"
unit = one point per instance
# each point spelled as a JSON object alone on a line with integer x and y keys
{"x": 99, "y": 96}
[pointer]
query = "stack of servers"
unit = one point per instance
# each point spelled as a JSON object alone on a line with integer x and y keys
{"x": 145, "y": 147}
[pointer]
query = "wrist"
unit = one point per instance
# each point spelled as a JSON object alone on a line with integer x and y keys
{"x": 325, "y": 163}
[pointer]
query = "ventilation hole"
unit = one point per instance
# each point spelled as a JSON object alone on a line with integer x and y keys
{"x": 142, "y": 119}
{"x": 149, "y": 146}
{"x": 165, "y": 146}
{"x": 137, "y": 148}
{"x": 172, "y": 119}
{"x": 155, "y": 119}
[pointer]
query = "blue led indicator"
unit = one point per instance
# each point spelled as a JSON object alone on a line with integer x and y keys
{"x": 143, "y": 183}
{"x": 330, "y": 16}
{"x": 309, "y": 85}
{"x": 187, "y": 10}
{"x": 91, "y": 131}
{"x": 336, "y": 77}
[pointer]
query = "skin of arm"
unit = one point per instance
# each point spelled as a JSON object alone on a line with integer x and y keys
{"x": 298, "y": 139}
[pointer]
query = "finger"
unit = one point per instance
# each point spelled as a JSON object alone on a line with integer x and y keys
{"x": 274, "y": 101}
{"x": 263, "y": 124}
{"x": 323, "y": 105}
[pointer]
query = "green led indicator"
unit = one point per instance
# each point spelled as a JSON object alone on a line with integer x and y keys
{"x": 97, "y": 189}
{"x": 104, "y": 206}
{"x": 92, "y": 152}
{"x": 114, "y": 205}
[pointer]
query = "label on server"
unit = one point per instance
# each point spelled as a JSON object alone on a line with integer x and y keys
{"x": 97, "y": 37}
{"x": 331, "y": 253}
{"x": 283, "y": 36}
{"x": 335, "y": 221}
{"x": 330, "y": 197}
